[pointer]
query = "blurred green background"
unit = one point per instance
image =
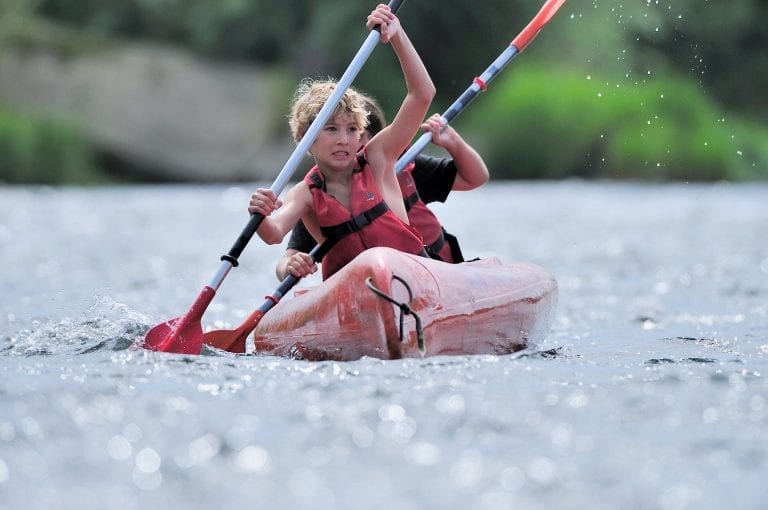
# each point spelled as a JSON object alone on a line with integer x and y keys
{"x": 198, "y": 90}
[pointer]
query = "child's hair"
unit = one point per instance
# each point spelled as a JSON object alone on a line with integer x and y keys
{"x": 310, "y": 97}
{"x": 376, "y": 120}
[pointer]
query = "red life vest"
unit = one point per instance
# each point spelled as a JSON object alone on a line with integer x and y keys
{"x": 373, "y": 223}
{"x": 423, "y": 219}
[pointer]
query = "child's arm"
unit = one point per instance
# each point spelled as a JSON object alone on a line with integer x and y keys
{"x": 273, "y": 228}
{"x": 471, "y": 170}
{"x": 296, "y": 263}
{"x": 396, "y": 137}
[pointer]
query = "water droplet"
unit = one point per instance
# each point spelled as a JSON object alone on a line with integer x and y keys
{"x": 119, "y": 448}
{"x": 148, "y": 461}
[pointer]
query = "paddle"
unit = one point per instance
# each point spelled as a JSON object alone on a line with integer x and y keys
{"x": 185, "y": 334}
{"x": 480, "y": 84}
{"x": 234, "y": 340}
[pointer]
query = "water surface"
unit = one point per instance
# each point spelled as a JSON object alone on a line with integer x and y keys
{"x": 649, "y": 392}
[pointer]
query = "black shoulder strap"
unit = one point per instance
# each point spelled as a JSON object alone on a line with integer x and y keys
{"x": 410, "y": 200}
{"x": 317, "y": 181}
{"x": 361, "y": 162}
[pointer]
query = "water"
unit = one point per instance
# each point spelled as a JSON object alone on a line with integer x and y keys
{"x": 650, "y": 391}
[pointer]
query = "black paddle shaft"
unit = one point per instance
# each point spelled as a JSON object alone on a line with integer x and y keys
{"x": 317, "y": 253}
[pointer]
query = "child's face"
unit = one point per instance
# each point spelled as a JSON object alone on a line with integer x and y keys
{"x": 337, "y": 143}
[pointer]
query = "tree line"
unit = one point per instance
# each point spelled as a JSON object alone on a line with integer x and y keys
{"x": 687, "y": 64}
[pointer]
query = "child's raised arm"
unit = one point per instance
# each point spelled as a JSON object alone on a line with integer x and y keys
{"x": 396, "y": 137}
{"x": 471, "y": 170}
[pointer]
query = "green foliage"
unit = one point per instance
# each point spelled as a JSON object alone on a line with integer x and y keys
{"x": 715, "y": 42}
{"x": 21, "y": 28}
{"x": 722, "y": 44}
{"x": 667, "y": 71}
{"x": 44, "y": 151}
{"x": 230, "y": 29}
{"x": 279, "y": 91}
{"x": 554, "y": 123}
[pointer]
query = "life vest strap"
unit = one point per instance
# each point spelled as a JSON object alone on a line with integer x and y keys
{"x": 337, "y": 232}
{"x": 410, "y": 200}
{"x": 434, "y": 249}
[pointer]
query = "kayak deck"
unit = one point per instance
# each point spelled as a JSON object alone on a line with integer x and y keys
{"x": 481, "y": 307}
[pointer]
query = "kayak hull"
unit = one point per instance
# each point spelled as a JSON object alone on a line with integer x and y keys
{"x": 481, "y": 307}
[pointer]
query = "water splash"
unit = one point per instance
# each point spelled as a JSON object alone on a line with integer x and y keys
{"x": 107, "y": 326}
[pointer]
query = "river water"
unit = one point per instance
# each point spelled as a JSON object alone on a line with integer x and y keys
{"x": 651, "y": 390}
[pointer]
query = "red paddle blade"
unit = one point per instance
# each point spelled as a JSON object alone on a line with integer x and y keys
{"x": 233, "y": 340}
{"x": 230, "y": 340}
{"x": 546, "y": 12}
{"x": 183, "y": 334}
{"x": 176, "y": 335}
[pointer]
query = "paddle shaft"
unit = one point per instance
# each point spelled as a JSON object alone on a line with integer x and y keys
{"x": 480, "y": 83}
{"x": 317, "y": 254}
{"x": 230, "y": 260}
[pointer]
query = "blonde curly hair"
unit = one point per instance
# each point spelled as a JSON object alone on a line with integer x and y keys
{"x": 310, "y": 97}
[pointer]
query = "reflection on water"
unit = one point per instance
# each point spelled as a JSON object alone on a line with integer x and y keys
{"x": 650, "y": 391}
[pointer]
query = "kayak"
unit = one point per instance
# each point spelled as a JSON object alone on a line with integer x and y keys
{"x": 390, "y": 305}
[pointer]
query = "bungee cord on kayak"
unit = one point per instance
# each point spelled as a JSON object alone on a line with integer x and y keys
{"x": 405, "y": 309}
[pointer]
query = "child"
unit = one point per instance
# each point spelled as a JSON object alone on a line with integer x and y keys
{"x": 344, "y": 185}
{"x": 428, "y": 179}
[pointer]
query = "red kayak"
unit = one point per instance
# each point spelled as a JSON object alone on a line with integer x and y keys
{"x": 390, "y": 305}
